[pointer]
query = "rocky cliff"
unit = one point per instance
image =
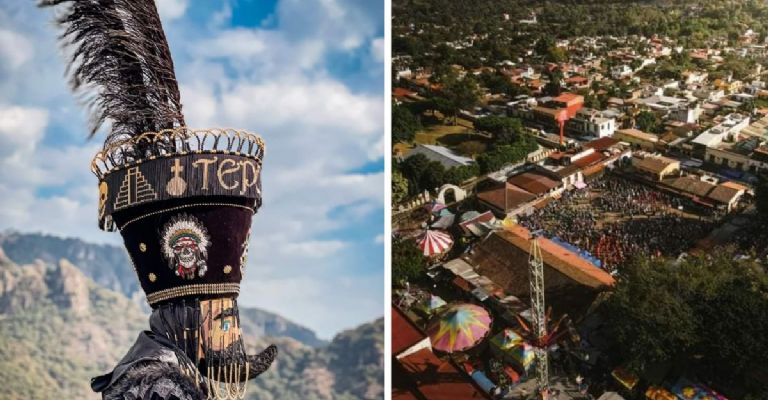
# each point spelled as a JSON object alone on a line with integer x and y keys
{"x": 58, "y": 328}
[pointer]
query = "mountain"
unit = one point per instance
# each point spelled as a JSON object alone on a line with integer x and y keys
{"x": 91, "y": 259}
{"x": 355, "y": 358}
{"x": 58, "y": 329}
{"x": 350, "y": 367}
{"x": 264, "y": 323}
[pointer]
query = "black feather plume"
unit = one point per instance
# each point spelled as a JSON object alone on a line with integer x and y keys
{"x": 121, "y": 64}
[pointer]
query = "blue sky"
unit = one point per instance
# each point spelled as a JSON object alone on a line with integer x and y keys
{"x": 305, "y": 74}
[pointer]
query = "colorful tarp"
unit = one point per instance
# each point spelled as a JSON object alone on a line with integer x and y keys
{"x": 509, "y": 345}
{"x": 523, "y": 355}
{"x": 687, "y": 390}
{"x": 434, "y": 207}
{"x": 506, "y": 339}
{"x": 434, "y": 243}
{"x": 434, "y": 302}
{"x": 659, "y": 393}
{"x": 460, "y": 327}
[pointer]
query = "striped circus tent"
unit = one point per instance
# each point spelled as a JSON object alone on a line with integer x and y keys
{"x": 434, "y": 243}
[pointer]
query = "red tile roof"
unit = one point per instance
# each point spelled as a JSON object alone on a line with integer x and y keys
{"x": 602, "y": 143}
{"x": 402, "y": 92}
{"x": 576, "y": 79}
{"x": 502, "y": 257}
{"x": 568, "y": 98}
{"x": 589, "y": 160}
{"x": 434, "y": 379}
{"x": 533, "y": 182}
{"x": 506, "y": 197}
{"x": 404, "y": 333}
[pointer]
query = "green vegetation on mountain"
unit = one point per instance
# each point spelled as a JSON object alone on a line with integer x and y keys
{"x": 91, "y": 259}
{"x": 350, "y": 367}
{"x": 108, "y": 266}
{"x": 59, "y": 328}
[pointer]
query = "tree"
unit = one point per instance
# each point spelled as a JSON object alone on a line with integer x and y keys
{"x": 408, "y": 264}
{"x": 413, "y": 168}
{"x": 591, "y": 101}
{"x": 404, "y": 124}
{"x": 399, "y": 187}
{"x": 555, "y": 84}
{"x": 543, "y": 45}
{"x": 704, "y": 313}
{"x": 556, "y": 55}
{"x": 496, "y": 83}
{"x": 420, "y": 107}
{"x": 506, "y": 154}
{"x": 433, "y": 177}
{"x": 460, "y": 94}
{"x": 504, "y": 129}
{"x": 647, "y": 121}
{"x": 422, "y": 174}
{"x": 748, "y": 106}
{"x": 457, "y": 175}
{"x": 761, "y": 195}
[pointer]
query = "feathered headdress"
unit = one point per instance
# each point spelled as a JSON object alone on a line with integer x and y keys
{"x": 121, "y": 63}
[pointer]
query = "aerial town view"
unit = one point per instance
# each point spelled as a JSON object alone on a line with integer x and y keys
{"x": 580, "y": 199}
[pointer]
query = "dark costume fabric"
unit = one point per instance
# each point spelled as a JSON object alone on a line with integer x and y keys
{"x": 154, "y": 381}
{"x": 150, "y": 370}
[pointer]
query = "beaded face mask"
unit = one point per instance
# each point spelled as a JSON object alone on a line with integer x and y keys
{"x": 207, "y": 332}
{"x": 221, "y": 327}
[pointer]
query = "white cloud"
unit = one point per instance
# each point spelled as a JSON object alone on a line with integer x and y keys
{"x": 312, "y": 248}
{"x": 171, "y": 9}
{"x": 377, "y": 49}
{"x": 342, "y": 25}
{"x": 321, "y": 104}
{"x": 21, "y": 128}
{"x": 26, "y": 167}
{"x": 15, "y": 49}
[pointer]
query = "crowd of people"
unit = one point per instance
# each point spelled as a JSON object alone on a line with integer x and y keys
{"x": 615, "y": 219}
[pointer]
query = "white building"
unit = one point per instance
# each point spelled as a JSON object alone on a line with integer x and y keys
{"x": 726, "y": 130}
{"x": 663, "y": 103}
{"x": 688, "y": 114}
{"x": 621, "y": 71}
{"x": 695, "y": 77}
{"x": 593, "y": 123}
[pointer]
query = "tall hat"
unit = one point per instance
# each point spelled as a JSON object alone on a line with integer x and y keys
{"x": 184, "y": 211}
{"x": 181, "y": 198}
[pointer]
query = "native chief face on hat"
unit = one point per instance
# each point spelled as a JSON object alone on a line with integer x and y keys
{"x": 185, "y": 245}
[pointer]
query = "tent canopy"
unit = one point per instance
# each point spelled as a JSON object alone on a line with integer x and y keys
{"x": 433, "y": 243}
{"x": 460, "y": 327}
